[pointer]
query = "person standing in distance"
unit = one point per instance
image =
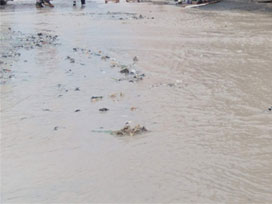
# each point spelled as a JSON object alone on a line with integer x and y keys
{"x": 82, "y": 2}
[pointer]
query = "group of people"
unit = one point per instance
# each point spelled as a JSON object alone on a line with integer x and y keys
{"x": 42, "y": 3}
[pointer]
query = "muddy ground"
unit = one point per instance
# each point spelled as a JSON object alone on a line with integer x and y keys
{"x": 193, "y": 87}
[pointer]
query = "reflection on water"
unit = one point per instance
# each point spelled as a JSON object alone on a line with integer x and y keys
{"x": 204, "y": 98}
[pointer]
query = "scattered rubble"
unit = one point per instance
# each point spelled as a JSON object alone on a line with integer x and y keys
{"x": 39, "y": 40}
{"x": 129, "y": 71}
{"x": 129, "y": 131}
{"x": 131, "y": 75}
{"x": 17, "y": 40}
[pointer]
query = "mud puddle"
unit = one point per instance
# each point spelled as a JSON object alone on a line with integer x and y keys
{"x": 199, "y": 82}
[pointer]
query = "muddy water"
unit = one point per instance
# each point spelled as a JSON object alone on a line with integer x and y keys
{"x": 204, "y": 99}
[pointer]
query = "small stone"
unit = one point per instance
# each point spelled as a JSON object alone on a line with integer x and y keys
{"x": 133, "y": 108}
{"x": 103, "y": 109}
{"x": 77, "y": 110}
{"x": 125, "y": 71}
{"x": 135, "y": 59}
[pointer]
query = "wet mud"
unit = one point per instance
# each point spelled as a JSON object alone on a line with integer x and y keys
{"x": 135, "y": 102}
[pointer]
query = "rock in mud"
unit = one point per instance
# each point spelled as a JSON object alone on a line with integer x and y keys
{"x": 270, "y": 108}
{"x": 130, "y": 131}
{"x": 72, "y": 60}
{"x": 133, "y": 108}
{"x": 105, "y": 57}
{"x": 125, "y": 71}
{"x": 135, "y": 59}
{"x": 103, "y": 109}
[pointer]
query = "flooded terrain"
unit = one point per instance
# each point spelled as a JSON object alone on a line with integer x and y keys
{"x": 135, "y": 102}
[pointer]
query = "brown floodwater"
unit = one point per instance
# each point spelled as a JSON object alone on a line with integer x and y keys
{"x": 204, "y": 99}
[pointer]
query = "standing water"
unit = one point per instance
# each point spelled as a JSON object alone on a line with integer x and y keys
{"x": 199, "y": 80}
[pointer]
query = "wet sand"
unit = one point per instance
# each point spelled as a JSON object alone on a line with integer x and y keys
{"x": 204, "y": 100}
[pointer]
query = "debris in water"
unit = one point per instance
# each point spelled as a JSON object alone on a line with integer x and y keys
{"x": 133, "y": 108}
{"x": 77, "y": 89}
{"x": 56, "y": 128}
{"x": 116, "y": 94}
{"x": 125, "y": 71}
{"x": 129, "y": 131}
{"x": 113, "y": 95}
{"x": 105, "y": 57}
{"x": 77, "y": 110}
{"x": 96, "y": 98}
{"x": 103, "y": 109}
{"x": 270, "y": 109}
{"x": 72, "y": 60}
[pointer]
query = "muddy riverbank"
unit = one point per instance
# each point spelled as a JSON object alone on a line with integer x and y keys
{"x": 194, "y": 83}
